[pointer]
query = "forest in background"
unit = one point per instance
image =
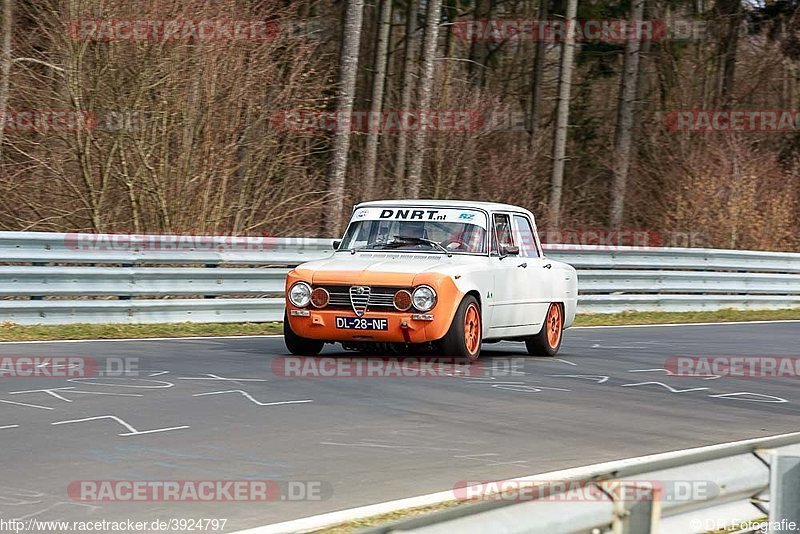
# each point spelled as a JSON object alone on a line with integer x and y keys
{"x": 184, "y": 136}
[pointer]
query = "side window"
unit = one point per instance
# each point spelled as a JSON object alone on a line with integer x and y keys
{"x": 525, "y": 237}
{"x": 502, "y": 235}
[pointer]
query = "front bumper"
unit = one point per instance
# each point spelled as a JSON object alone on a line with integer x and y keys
{"x": 402, "y": 326}
{"x": 320, "y": 324}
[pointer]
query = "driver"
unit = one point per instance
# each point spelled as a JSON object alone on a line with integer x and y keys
{"x": 413, "y": 229}
{"x": 457, "y": 238}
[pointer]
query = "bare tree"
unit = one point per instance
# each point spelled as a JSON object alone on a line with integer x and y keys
{"x": 626, "y": 108}
{"x": 479, "y": 50}
{"x": 5, "y": 62}
{"x": 730, "y": 11}
{"x": 536, "y": 77}
{"x": 407, "y": 92}
{"x": 378, "y": 83}
{"x": 230, "y": 137}
{"x": 346, "y": 92}
{"x": 430, "y": 41}
{"x": 562, "y": 116}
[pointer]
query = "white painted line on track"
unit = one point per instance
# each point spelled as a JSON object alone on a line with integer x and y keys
{"x": 565, "y": 361}
{"x": 316, "y": 522}
{"x": 28, "y": 405}
{"x": 251, "y": 399}
{"x": 132, "y": 431}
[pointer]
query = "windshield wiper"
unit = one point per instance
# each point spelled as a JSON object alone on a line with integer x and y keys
{"x": 368, "y": 245}
{"x": 434, "y": 244}
{"x": 401, "y": 240}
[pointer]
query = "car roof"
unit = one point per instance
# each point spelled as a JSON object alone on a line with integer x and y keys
{"x": 488, "y": 206}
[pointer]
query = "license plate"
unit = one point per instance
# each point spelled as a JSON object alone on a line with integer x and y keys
{"x": 360, "y": 323}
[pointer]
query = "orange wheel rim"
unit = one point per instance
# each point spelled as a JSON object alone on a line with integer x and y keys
{"x": 472, "y": 329}
{"x": 554, "y": 325}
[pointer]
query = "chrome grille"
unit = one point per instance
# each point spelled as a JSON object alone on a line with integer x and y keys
{"x": 379, "y": 298}
{"x": 359, "y": 298}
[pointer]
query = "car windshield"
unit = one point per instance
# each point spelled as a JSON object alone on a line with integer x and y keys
{"x": 417, "y": 229}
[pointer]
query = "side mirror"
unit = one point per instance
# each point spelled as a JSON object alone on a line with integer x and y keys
{"x": 509, "y": 251}
{"x": 336, "y": 245}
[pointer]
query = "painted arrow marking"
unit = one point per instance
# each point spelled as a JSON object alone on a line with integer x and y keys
{"x": 251, "y": 399}
{"x": 71, "y": 389}
{"x": 213, "y": 377}
{"x": 600, "y": 379}
{"x": 133, "y": 431}
{"x": 671, "y": 389}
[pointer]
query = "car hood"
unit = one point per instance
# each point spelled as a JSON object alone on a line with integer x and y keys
{"x": 398, "y": 269}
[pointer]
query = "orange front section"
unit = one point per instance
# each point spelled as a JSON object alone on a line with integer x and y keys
{"x": 321, "y": 323}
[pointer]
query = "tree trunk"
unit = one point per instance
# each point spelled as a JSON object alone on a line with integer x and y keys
{"x": 626, "y": 107}
{"x": 410, "y": 53}
{"x": 430, "y": 40}
{"x": 378, "y": 83}
{"x": 479, "y": 49}
{"x": 562, "y": 117}
{"x": 731, "y": 12}
{"x": 5, "y": 62}
{"x": 348, "y": 69}
{"x": 536, "y": 79}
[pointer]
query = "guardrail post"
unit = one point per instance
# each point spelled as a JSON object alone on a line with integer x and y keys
{"x": 211, "y": 266}
{"x": 784, "y": 493}
{"x": 38, "y": 264}
{"x": 637, "y": 507}
{"x": 132, "y": 281}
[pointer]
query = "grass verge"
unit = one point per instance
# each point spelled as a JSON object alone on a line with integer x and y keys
{"x": 15, "y": 332}
{"x": 720, "y": 316}
{"x": 377, "y": 520}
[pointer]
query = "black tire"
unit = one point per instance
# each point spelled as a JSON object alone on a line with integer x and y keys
{"x": 455, "y": 342}
{"x": 542, "y": 343}
{"x": 297, "y": 345}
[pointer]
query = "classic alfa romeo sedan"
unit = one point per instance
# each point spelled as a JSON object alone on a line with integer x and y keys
{"x": 445, "y": 276}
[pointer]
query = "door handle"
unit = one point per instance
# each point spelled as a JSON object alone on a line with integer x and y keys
{"x": 548, "y": 266}
{"x": 523, "y": 265}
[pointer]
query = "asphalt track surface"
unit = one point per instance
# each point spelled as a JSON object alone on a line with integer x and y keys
{"x": 368, "y": 440}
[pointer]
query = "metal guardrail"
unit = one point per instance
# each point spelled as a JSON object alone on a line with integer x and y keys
{"x": 74, "y": 278}
{"x": 755, "y": 481}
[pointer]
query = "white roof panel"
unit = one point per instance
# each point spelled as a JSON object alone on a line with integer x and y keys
{"x": 488, "y": 206}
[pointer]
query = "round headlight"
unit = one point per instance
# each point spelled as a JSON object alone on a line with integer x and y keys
{"x": 402, "y": 300}
{"x": 320, "y": 297}
{"x": 300, "y": 294}
{"x": 424, "y": 298}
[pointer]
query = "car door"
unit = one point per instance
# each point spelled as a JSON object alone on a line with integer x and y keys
{"x": 512, "y": 307}
{"x": 539, "y": 285}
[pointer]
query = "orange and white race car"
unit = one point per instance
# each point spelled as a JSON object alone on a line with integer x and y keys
{"x": 446, "y": 275}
